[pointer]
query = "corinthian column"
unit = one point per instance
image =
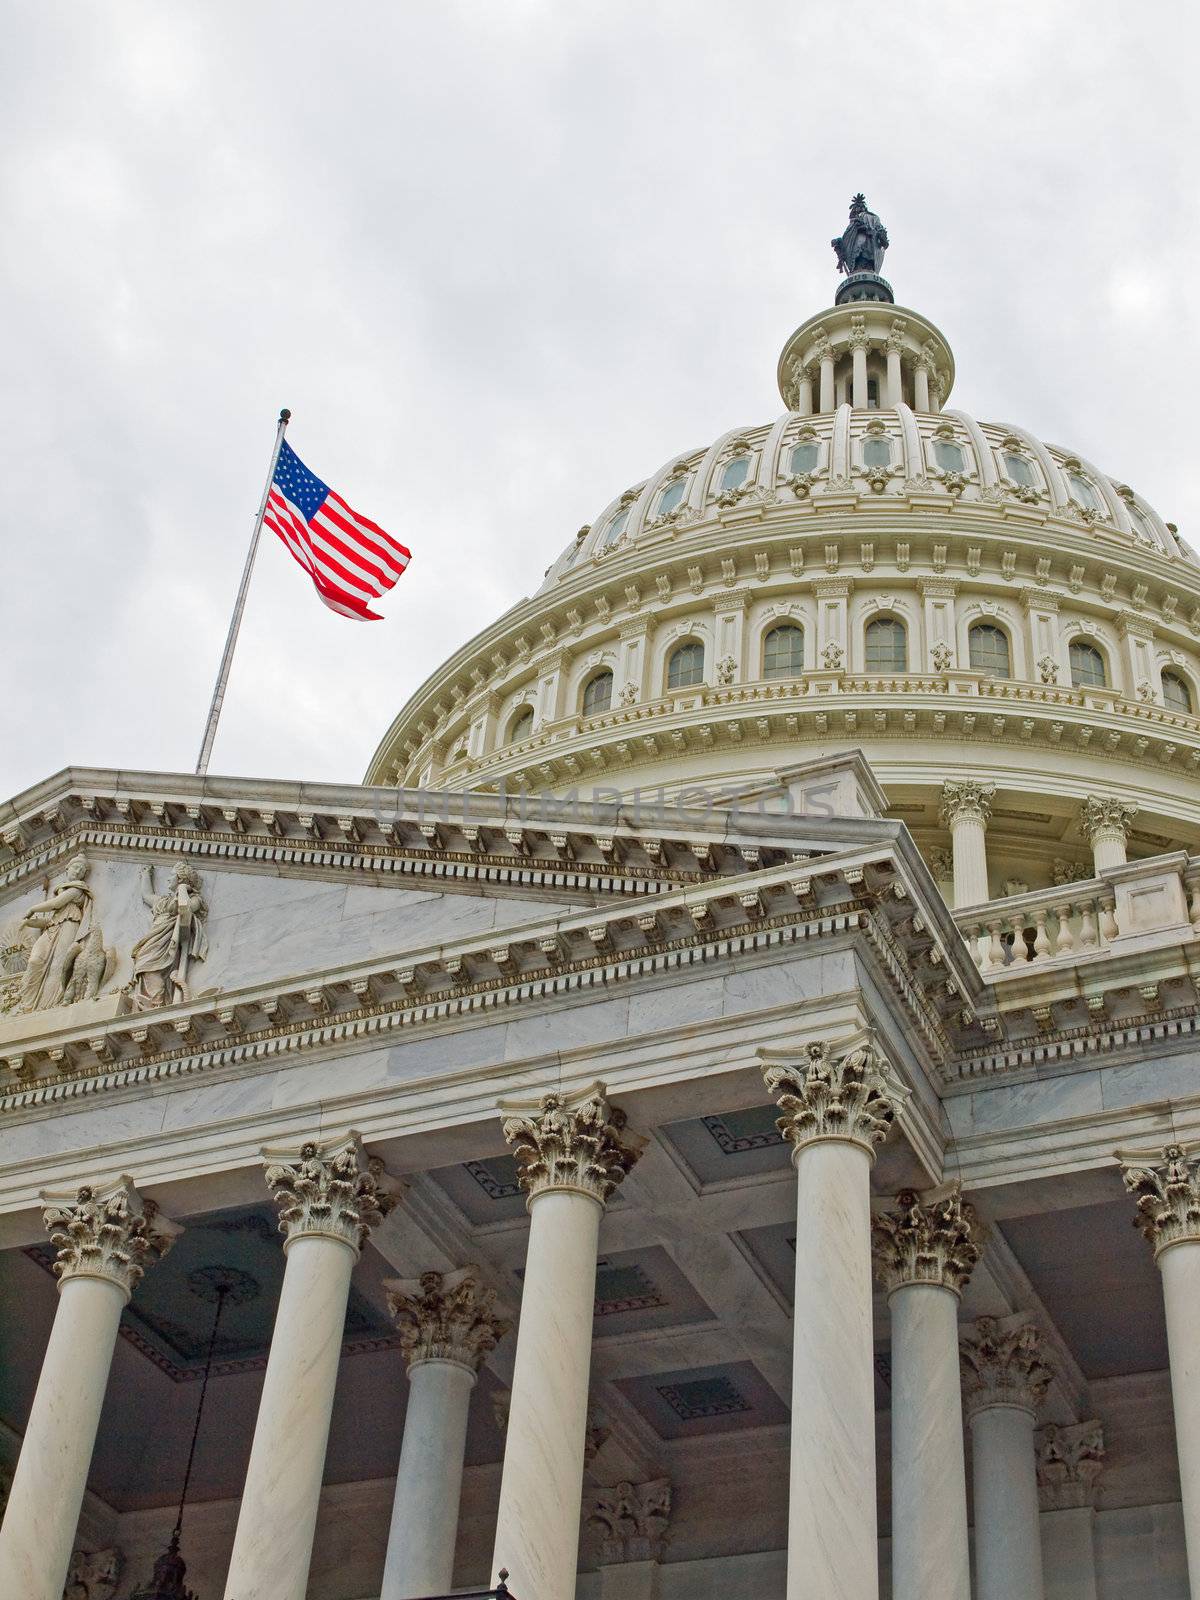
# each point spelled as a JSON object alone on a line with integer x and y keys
{"x": 631, "y": 1522}
{"x": 570, "y": 1157}
{"x": 966, "y": 807}
{"x": 1167, "y": 1187}
{"x": 1004, "y": 1380}
{"x": 105, "y": 1238}
{"x": 446, "y": 1328}
{"x": 1106, "y": 824}
{"x": 1069, "y": 1460}
{"x": 924, "y": 1255}
{"x": 835, "y": 1111}
{"x": 329, "y": 1199}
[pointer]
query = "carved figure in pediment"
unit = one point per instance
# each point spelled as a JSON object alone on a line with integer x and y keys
{"x": 64, "y": 925}
{"x": 163, "y": 957}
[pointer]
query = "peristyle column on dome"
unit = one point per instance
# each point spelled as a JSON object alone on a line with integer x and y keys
{"x": 105, "y": 1236}
{"x": 447, "y": 1327}
{"x": 1069, "y": 1461}
{"x": 1105, "y": 824}
{"x": 836, "y": 1109}
{"x": 925, "y": 1251}
{"x": 329, "y": 1198}
{"x": 572, "y": 1150}
{"x": 1167, "y": 1186}
{"x": 1004, "y": 1382}
{"x": 966, "y": 808}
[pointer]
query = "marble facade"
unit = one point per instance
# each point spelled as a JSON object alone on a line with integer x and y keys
{"x": 497, "y": 1094}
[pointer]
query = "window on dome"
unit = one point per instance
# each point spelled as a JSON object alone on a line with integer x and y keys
{"x": 1087, "y": 666}
{"x": 671, "y": 496}
{"x": 783, "y": 652}
{"x": 1176, "y": 694}
{"x": 686, "y": 666}
{"x": 1020, "y": 471}
{"x": 877, "y": 451}
{"x": 521, "y": 726}
{"x": 1141, "y": 522}
{"x": 873, "y": 394}
{"x": 989, "y": 650}
{"x": 948, "y": 455}
{"x": 597, "y": 694}
{"x": 1082, "y": 491}
{"x": 735, "y": 473}
{"x": 804, "y": 457}
{"x": 886, "y": 645}
{"x": 616, "y": 526}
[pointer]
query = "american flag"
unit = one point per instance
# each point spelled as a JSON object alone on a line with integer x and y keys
{"x": 349, "y": 559}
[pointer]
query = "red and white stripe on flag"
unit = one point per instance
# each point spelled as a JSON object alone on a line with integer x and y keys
{"x": 350, "y": 559}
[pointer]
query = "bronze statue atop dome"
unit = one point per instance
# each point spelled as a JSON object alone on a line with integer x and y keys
{"x": 861, "y": 247}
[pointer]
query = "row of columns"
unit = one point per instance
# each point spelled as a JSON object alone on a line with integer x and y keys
{"x": 572, "y": 1152}
{"x": 967, "y": 807}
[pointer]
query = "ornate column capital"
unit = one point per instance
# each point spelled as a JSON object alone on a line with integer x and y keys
{"x": 631, "y": 1520}
{"x": 1069, "y": 1460}
{"x": 445, "y": 1316}
{"x": 108, "y": 1232}
{"x": 853, "y": 1098}
{"x": 1101, "y": 817}
{"x": 334, "y": 1191}
{"x": 571, "y": 1142}
{"x": 929, "y": 1238}
{"x": 1167, "y": 1186}
{"x": 966, "y": 797}
{"x": 1002, "y": 1364}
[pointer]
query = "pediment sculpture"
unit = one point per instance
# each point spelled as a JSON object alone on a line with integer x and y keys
{"x": 62, "y": 945}
{"x": 177, "y": 938}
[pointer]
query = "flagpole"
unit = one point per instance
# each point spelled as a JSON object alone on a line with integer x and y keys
{"x": 218, "y": 699}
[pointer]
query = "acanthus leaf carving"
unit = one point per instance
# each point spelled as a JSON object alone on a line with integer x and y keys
{"x": 1069, "y": 1460}
{"x": 335, "y": 1193}
{"x": 855, "y": 1096}
{"x": 929, "y": 1238}
{"x": 631, "y": 1520}
{"x": 1002, "y": 1363}
{"x": 1167, "y": 1191}
{"x": 573, "y": 1142}
{"x": 445, "y": 1316}
{"x": 107, "y": 1232}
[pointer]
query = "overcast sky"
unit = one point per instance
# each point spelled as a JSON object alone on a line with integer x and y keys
{"x": 502, "y": 259}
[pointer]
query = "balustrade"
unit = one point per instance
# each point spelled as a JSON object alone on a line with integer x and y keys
{"x": 1050, "y": 925}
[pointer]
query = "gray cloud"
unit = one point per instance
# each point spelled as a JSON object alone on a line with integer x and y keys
{"x": 501, "y": 261}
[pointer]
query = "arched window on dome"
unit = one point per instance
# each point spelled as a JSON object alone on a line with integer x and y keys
{"x": 734, "y": 474}
{"x": 617, "y": 524}
{"x": 783, "y": 651}
{"x": 877, "y": 451}
{"x": 1083, "y": 492}
{"x": 1142, "y": 525}
{"x": 521, "y": 725}
{"x": 1176, "y": 692}
{"x": 1087, "y": 665}
{"x": 597, "y": 693}
{"x": 671, "y": 496}
{"x": 686, "y": 666}
{"x": 948, "y": 455}
{"x": 886, "y": 645}
{"x": 989, "y": 650}
{"x": 805, "y": 456}
{"x": 1020, "y": 471}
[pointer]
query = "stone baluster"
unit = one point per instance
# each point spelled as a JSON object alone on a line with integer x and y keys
{"x": 1089, "y": 933}
{"x": 447, "y": 1327}
{"x": 966, "y": 807}
{"x": 1108, "y": 919}
{"x": 329, "y": 1199}
{"x": 835, "y": 1111}
{"x": 1105, "y": 824}
{"x": 995, "y": 949}
{"x": 924, "y": 1255}
{"x": 1064, "y": 938}
{"x": 1193, "y": 889}
{"x": 1167, "y": 1186}
{"x": 1005, "y": 1380}
{"x": 105, "y": 1237}
{"x": 571, "y": 1154}
{"x": 1069, "y": 1460}
{"x": 1041, "y": 939}
{"x": 630, "y": 1521}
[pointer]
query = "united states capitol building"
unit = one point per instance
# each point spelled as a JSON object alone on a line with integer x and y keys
{"x": 715, "y": 1115}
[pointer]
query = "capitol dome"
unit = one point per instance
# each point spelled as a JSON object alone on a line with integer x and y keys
{"x": 874, "y": 569}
